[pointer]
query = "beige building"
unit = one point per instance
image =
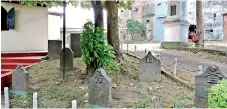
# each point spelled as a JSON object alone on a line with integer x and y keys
{"x": 30, "y": 31}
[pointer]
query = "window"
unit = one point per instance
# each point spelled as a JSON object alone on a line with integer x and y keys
{"x": 4, "y": 19}
{"x": 173, "y": 10}
{"x": 147, "y": 21}
{"x": 7, "y": 19}
{"x": 11, "y": 18}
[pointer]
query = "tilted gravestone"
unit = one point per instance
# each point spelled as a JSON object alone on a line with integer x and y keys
{"x": 75, "y": 44}
{"x": 54, "y": 48}
{"x": 20, "y": 79}
{"x": 203, "y": 83}
{"x": 149, "y": 68}
{"x": 68, "y": 59}
{"x": 99, "y": 89}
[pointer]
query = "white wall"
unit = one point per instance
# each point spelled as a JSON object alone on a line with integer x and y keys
{"x": 31, "y": 29}
{"x": 176, "y": 32}
{"x": 172, "y": 32}
{"x": 54, "y": 24}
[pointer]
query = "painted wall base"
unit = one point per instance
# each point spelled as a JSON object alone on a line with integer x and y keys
{"x": 87, "y": 105}
{"x": 22, "y": 93}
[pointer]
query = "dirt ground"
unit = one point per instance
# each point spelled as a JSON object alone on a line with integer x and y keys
{"x": 45, "y": 79}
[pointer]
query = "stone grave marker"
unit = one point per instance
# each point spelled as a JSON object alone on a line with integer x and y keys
{"x": 203, "y": 83}
{"x": 149, "y": 68}
{"x": 99, "y": 90}
{"x": 20, "y": 80}
{"x": 69, "y": 55}
{"x": 54, "y": 48}
{"x": 75, "y": 44}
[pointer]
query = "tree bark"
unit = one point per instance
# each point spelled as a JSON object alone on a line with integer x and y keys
{"x": 199, "y": 25}
{"x": 98, "y": 13}
{"x": 112, "y": 26}
{"x": 98, "y": 18}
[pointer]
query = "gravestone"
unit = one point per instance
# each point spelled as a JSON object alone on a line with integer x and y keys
{"x": 68, "y": 59}
{"x": 75, "y": 44}
{"x": 54, "y": 48}
{"x": 149, "y": 68}
{"x": 20, "y": 79}
{"x": 99, "y": 86}
{"x": 203, "y": 83}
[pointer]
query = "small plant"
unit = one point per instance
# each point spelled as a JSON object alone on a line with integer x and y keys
{"x": 217, "y": 97}
{"x": 94, "y": 49}
{"x": 146, "y": 103}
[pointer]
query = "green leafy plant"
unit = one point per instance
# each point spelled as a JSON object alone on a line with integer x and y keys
{"x": 134, "y": 26}
{"x": 217, "y": 97}
{"x": 94, "y": 49}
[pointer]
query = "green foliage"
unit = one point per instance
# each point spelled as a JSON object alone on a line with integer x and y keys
{"x": 217, "y": 97}
{"x": 134, "y": 26}
{"x": 125, "y": 4}
{"x": 83, "y": 3}
{"x": 94, "y": 50}
{"x": 48, "y": 3}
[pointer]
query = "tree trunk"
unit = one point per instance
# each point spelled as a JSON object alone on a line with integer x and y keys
{"x": 98, "y": 13}
{"x": 199, "y": 25}
{"x": 112, "y": 26}
{"x": 98, "y": 17}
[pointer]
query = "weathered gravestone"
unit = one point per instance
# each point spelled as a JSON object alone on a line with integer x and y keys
{"x": 54, "y": 48}
{"x": 203, "y": 83}
{"x": 75, "y": 44}
{"x": 20, "y": 80}
{"x": 68, "y": 59}
{"x": 149, "y": 68}
{"x": 99, "y": 86}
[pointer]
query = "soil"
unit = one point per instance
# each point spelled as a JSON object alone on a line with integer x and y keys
{"x": 46, "y": 80}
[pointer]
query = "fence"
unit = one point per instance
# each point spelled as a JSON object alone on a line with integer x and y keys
{"x": 174, "y": 65}
{"x": 34, "y": 101}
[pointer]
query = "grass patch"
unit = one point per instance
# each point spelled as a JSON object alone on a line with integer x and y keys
{"x": 146, "y": 103}
{"x": 45, "y": 79}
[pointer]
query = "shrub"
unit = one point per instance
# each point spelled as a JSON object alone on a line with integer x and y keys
{"x": 94, "y": 49}
{"x": 217, "y": 97}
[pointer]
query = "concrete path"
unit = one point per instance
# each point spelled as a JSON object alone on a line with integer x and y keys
{"x": 189, "y": 63}
{"x": 186, "y": 62}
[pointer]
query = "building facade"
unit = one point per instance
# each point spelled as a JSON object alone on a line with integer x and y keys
{"x": 30, "y": 32}
{"x": 149, "y": 18}
{"x": 215, "y": 19}
{"x": 160, "y": 17}
{"x": 124, "y": 15}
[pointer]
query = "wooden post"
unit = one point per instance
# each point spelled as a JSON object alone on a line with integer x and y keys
{"x": 74, "y": 106}
{"x": 6, "y": 95}
{"x": 127, "y": 48}
{"x": 35, "y": 100}
{"x": 200, "y": 70}
{"x": 175, "y": 67}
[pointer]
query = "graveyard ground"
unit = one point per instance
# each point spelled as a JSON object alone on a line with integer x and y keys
{"x": 45, "y": 78}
